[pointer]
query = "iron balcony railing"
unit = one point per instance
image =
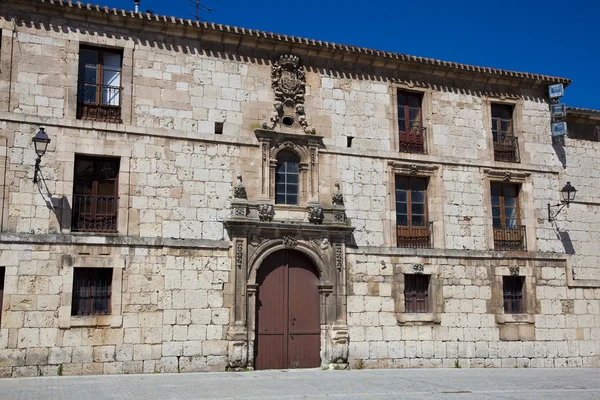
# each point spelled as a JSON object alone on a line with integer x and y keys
{"x": 94, "y": 213}
{"x": 506, "y": 149}
{"x": 412, "y": 141}
{"x": 510, "y": 238}
{"x": 99, "y": 102}
{"x": 416, "y": 236}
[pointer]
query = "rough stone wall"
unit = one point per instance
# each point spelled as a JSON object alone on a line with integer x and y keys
{"x": 565, "y": 319}
{"x": 174, "y": 313}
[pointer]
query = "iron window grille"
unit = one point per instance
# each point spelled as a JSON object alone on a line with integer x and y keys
{"x": 413, "y": 228}
{"x": 506, "y": 145}
{"x": 410, "y": 123}
{"x": 509, "y": 234}
{"x": 512, "y": 287}
{"x": 287, "y": 178}
{"x": 99, "y": 85}
{"x": 95, "y": 194}
{"x": 416, "y": 293}
{"x": 91, "y": 291}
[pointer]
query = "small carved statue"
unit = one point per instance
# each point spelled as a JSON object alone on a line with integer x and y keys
{"x": 338, "y": 197}
{"x": 239, "y": 191}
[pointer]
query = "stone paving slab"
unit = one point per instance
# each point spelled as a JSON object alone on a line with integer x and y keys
{"x": 464, "y": 384}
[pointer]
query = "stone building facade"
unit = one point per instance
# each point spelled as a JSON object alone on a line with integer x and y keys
{"x": 207, "y": 188}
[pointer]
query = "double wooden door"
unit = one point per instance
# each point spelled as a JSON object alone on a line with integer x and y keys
{"x": 287, "y": 311}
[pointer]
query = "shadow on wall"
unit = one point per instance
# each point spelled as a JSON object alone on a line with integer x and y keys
{"x": 565, "y": 239}
{"x": 558, "y": 143}
{"x": 59, "y": 205}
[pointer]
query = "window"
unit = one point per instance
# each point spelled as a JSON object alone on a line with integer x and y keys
{"x": 99, "y": 86}
{"x": 508, "y": 233}
{"x": 416, "y": 293}
{"x": 95, "y": 194}
{"x": 91, "y": 291}
{"x": 287, "y": 178}
{"x": 413, "y": 228}
{"x": 512, "y": 288}
{"x": 2, "y": 272}
{"x": 410, "y": 123}
{"x": 505, "y": 143}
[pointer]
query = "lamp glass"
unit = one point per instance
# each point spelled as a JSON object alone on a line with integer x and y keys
{"x": 40, "y": 142}
{"x": 567, "y": 193}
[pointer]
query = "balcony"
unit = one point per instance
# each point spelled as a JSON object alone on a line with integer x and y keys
{"x": 415, "y": 236}
{"x": 506, "y": 149}
{"x": 412, "y": 141}
{"x": 94, "y": 213}
{"x": 510, "y": 238}
{"x": 99, "y": 103}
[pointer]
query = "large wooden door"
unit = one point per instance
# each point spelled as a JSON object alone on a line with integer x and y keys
{"x": 287, "y": 311}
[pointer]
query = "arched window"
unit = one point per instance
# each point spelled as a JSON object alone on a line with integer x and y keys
{"x": 287, "y": 178}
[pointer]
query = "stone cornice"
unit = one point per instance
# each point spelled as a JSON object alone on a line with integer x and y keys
{"x": 231, "y": 35}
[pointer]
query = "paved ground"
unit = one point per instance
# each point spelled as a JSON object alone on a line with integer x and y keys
{"x": 447, "y": 384}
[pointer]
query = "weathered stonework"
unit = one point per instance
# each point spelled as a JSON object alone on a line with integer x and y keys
{"x": 190, "y": 237}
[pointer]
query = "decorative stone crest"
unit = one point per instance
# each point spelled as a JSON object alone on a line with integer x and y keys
{"x": 240, "y": 211}
{"x": 507, "y": 176}
{"x": 239, "y": 191}
{"x": 414, "y": 169}
{"x": 339, "y": 216}
{"x": 288, "y": 81}
{"x": 418, "y": 268}
{"x": 287, "y": 143}
{"x": 266, "y": 212}
{"x": 337, "y": 198}
{"x": 315, "y": 214}
{"x": 290, "y": 241}
{"x": 514, "y": 271}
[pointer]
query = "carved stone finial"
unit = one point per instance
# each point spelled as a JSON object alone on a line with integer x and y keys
{"x": 315, "y": 213}
{"x": 337, "y": 198}
{"x": 266, "y": 212}
{"x": 239, "y": 192}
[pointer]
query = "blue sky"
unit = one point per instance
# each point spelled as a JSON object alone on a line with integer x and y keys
{"x": 560, "y": 38}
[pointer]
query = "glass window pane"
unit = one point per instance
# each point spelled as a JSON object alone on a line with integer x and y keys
{"x": 418, "y": 184}
{"x": 495, "y": 201}
{"x": 496, "y": 189}
{"x": 292, "y": 178}
{"x": 280, "y": 188}
{"x": 401, "y": 183}
{"x": 401, "y": 100}
{"x": 292, "y": 199}
{"x": 280, "y": 199}
{"x": 418, "y": 197}
{"x": 510, "y": 190}
{"x": 90, "y": 74}
{"x": 414, "y": 100}
{"x": 111, "y": 78}
{"x": 418, "y": 209}
{"x": 506, "y": 126}
{"x": 402, "y": 219}
{"x": 88, "y": 93}
{"x": 88, "y": 58}
{"x": 495, "y": 211}
{"x": 401, "y": 208}
{"x": 112, "y": 61}
{"x": 510, "y": 202}
{"x": 292, "y": 189}
{"x": 401, "y": 125}
{"x": 510, "y": 213}
{"x": 292, "y": 167}
{"x": 497, "y": 223}
{"x": 110, "y": 95}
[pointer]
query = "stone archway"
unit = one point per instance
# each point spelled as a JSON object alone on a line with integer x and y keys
{"x": 288, "y": 329}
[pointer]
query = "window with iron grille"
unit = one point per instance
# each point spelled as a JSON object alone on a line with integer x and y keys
{"x": 287, "y": 178}
{"x": 95, "y": 194}
{"x": 99, "y": 85}
{"x": 505, "y": 142}
{"x": 412, "y": 223}
{"x": 509, "y": 234}
{"x": 416, "y": 293}
{"x": 2, "y": 272}
{"x": 91, "y": 291}
{"x": 410, "y": 122}
{"x": 513, "y": 294}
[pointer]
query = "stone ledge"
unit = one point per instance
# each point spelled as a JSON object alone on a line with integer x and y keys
{"x": 418, "y": 318}
{"x": 454, "y": 253}
{"x": 68, "y": 239}
{"x": 515, "y": 318}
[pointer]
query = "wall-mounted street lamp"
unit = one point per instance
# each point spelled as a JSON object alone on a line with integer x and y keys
{"x": 40, "y": 142}
{"x": 567, "y": 195}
